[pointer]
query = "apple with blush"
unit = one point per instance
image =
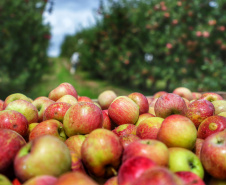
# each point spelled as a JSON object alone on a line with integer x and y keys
{"x": 151, "y": 111}
{"x": 220, "y": 106}
{"x": 42, "y": 180}
{"x": 159, "y": 93}
{"x": 76, "y": 163}
{"x": 84, "y": 99}
{"x": 126, "y": 140}
{"x": 112, "y": 181}
{"x": 125, "y": 129}
{"x": 190, "y": 178}
{"x": 183, "y": 92}
{"x": 198, "y": 146}
{"x": 222, "y": 114}
{"x": 1, "y": 105}
{"x": 196, "y": 95}
{"x": 105, "y": 98}
{"x": 143, "y": 117}
{"x": 68, "y": 99}
{"x": 211, "y": 96}
{"x": 152, "y": 104}
{"x": 107, "y": 123}
{"x": 31, "y": 127}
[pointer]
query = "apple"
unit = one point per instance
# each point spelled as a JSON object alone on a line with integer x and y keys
{"x": 41, "y": 180}
{"x": 107, "y": 124}
{"x": 101, "y": 153}
{"x": 190, "y": 178}
{"x": 125, "y": 129}
{"x": 31, "y": 127}
{"x": 68, "y": 99}
{"x": 41, "y": 103}
{"x": 199, "y": 110}
{"x": 220, "y": 106}
{"x": 105, "y": 98}
{"x": 76, "y": 162}
{"x": 123, "y": 110}
{"x": 74, "y": 143}
{"x": 222, "y": 114}
{"x": 125, "y": 140}
{"x": 211, "y": 125}
{"x": 26, "y": 108}
{"x": 183, "y": 92}
{"x": 198, "y": 147}
{"x": 150, "y": 99}
{"x": 61, "y": 90}
{"x": 14, "y": 120}
{"x": 178, "y": 131}
{"x": 150, "y": 148}
{"x": 211, "y": 96}
{"x": 149, "y": 128}
{"x": 141, "y": 101}
{"x": 169, "y": 104}
{"x": 72, "y": 178}
{"x": 4, "y": 180}
{"x": 56, "y": 111}
{"x": 82, "y": 118}
{"x": 213, "y": 155}
{"x": 84, "y": 99}
{"x": 151, "y": 111}
{"x": 182, "y": 159}
{"x": 45, "y": 155}
{"x": 196, "y": 95}
{"x": 152, "y": 104}
{"x": 15, "y": 96}
{"x": 158, "y": 176}
{"x": 10, "y": 142}
{"x": 112, "y": 181}
{"x": 1, "y": 105}
{"x": 159, "y": 93}
{"x": 50, "y": 127}
{"x": 143, "y": 117}
{"x": 133, "y": 168}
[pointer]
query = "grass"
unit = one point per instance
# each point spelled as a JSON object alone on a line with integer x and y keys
{"x": 84, "y": 84}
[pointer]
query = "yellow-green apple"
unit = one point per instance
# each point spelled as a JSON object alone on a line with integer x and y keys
{"x": 178, "y": 131}
{"x": 112, "y": 181}
{"x": 222, "y": 114}
{"x": 26, "y": 108}
{"x": 143, "y": 117}
{"x": 101, "y": 153}
{"x": 186, "y": 101}
{"x": 153, "y": 149}
{"x": 182, "y": 159}
{"x": 4, "y": 180}
{"x": 84, "y": 99}
{"x": 141, "y": 101}
{"x": 105, "y": 98}
{"x": 198, "y": 146}
{"x": 48, "y": 127}
{"x": 1, "y": 105}
{"x": 31, "y": 127}
{"x": 211, "y": 125}
{"x": 149, "y": 128}
{"x": 169, "y": 104}
{"x": 41, "y": 103}
{"x": 123, "y": 110}
{"x": 125, "y": 129}
{"x": 220, "y": 106}
{"x": 211, "y": 96}
{"x": 152, "y": 111}
{"x": 82, "y": 118}
{"x": 125, "y": 140}
{"x": 199, "y": 110}
{"x": 196, "y": 95}
{"x": 183, "y": 92}
{"x": 159, "y": 93}
{"x": 56, "y": 111}
{"x": 14, "y": 120}
{"x": 213, "y": 155}
{"x": 133, "y": 168}
{"x": 107, "y": 124}
{"x": 41, "y": 180}
{"x": 15, "y": 96}
{"x": 190, "y": 178}
{"x": 72, "y": 178}
{"x": 61, "y": 90}
{"x": 45, "y": 155}
{"x": 68, "y": 99}
{"x": 76, "y": 162}
{"x": 158, "y": 176}
{"x": 10, "y": 142}
{"x": 74, "y": 143}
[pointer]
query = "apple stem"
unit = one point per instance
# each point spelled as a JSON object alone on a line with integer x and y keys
{"x": 113, "y": 171}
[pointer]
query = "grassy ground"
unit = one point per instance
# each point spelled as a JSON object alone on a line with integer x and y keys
{"x": 82, "y": 81}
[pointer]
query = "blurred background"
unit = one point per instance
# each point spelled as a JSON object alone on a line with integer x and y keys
{"x": 124, "y": 45}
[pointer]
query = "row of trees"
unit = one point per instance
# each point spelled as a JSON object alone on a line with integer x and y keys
{"x": 24, "y": 40}
{"x": 156, "y": 45}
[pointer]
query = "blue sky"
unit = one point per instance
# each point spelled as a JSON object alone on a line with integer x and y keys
{"x": 67, "y": 17}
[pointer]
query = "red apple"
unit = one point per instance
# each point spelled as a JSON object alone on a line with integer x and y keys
{"x": 105, "y": 98}
{"x": 84, "y": 99}
{"x": 48, "y": 127}
{"x": 82, "y": 118}
{"x": 133, "y": 168}
{"x": 126, "y": 140}
{"x": 178, "y": 131}
{"x": 159, "y": 93}
{"x": 56, "y": 111}
{"x": 198, "y": 147}
{"x": 169, "y": 104}
{"x": 68, "y": 99}
{"x": 123, "y": 110}
{"x": 141, "y": 101}
{"x": 125, "y": 129}
{"x": 183, "y": 92}
{"x": 196, "y": 95}
{"x": 26, "y": 108}
{"x": 112, "y": 181}
{"x": 213, "y": 155}
{"x": 153, "y": 149}
{"x": 1, "y": 105}
{"x": 143, "y": 117}
{"x": 107, "y": 124}
{"x": 190, "y": 178}
{"x": 14, "y": 120}
{"x": 76, "y": 163}
{"x": 41, "y": 103}
{"x": 211, "y": 125}
{"x": 199, "y": 110}
{"x": 41, "y": 180}
{"x": 211, "y": 96}
{"x": 61, "y": 90}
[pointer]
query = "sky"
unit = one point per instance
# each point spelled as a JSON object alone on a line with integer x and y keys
{"x": 67, "y": 17}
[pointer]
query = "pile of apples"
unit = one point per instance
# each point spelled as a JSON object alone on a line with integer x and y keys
{"x": 64, "y": 139}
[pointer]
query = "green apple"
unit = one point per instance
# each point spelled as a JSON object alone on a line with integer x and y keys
{"x": 181, "y": 159}
{"x": 4, "y": 180}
